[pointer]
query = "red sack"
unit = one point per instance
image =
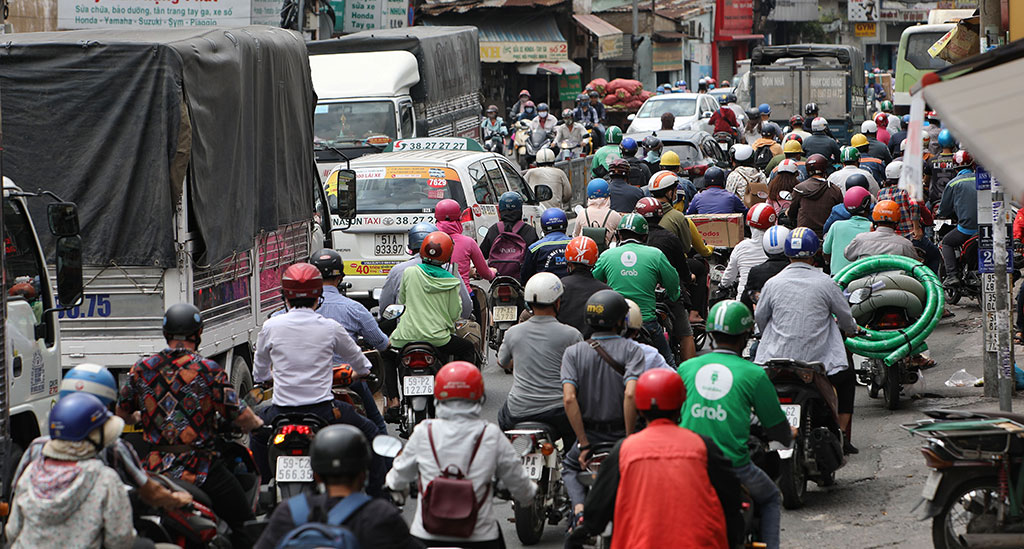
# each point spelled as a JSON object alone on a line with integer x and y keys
{"x": 599, "y": 85}
{"x": 610, "y": 99}
{"x": 631, "y": 87}
{"x": 621, "y": 94}
{"x": 645, "y": 95}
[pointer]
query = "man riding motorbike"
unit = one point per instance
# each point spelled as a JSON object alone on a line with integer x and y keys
{"x": 882, "y": 238}
{"x": 548, "y": 253}
{"x": 519, "y": 106}
{"x": 604, "y": 156}
{"x": 389, "y": 293}
{"x": 814, "y": 198}
{"x": 639, "y": 173}
{"x": 570, "y": 132}
{"x": 858, "y": 202}
{"x": 547, "y": 174}
{"x": 745, "y": 181}
{"x": 598, "y": 219}
{"x": 850, "y": 157}
{"x": 914, "y": 215}
{"x": 510, "y": 220}
{"x": 773, "y": 243}
{"x": 714, "y": 199}
{"x": 622, "y": 192}
{"x": 940, "y": 169}
{"x": 543, "y": 120}
{"x": 820, "y": 142}
{"x": 749, "y": 253}
{"x": 959, "y": 201}
{"x": 724, "y": 119}
{"x": 580, "y": 256}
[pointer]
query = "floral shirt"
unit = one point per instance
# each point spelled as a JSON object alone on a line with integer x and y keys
{"x": 180, "y": 393}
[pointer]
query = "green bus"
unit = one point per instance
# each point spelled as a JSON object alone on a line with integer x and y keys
{"x": 913, "y": 61}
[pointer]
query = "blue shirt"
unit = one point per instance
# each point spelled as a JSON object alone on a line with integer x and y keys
{"x": 960, "y": 199}
{"x": 352, "y": 316}
{"x": 715, "y": 200}
{"x": 546, "y": 255}
{"x": 839, "y": 213}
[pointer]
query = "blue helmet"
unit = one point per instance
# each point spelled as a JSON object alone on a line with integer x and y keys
{"x": 660, "y": 89}
{"x": 906, "y": 119}
{"x": 802, "y": 242}
{"x": 946, "y": 139}
{"x": 715, "y": 176}
{"x": 510, "y": 201}
{"x": 417, "y": 233}
{"x": 764, "y": 108}
{"x": 90, "y": 378}
{"x": 680, "y": 83}
{"x": 598, "y": 188}
{"x": 629, "y": 145}
{"x": 77, "y": 415}
{"x": 553, "y": 219}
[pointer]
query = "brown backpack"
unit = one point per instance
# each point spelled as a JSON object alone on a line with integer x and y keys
{"x": 449, "y": 505}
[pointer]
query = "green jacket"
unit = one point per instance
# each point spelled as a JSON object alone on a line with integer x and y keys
{"x": 675, "y": 221}
{"x": 603, "y": 157}
{"x": 634, "y": 270}
{"x": 432, "y": 305}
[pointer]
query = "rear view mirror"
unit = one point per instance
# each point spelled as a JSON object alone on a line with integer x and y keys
{"x": 392, "y": 312}
{"x": 341, "y": 193}
{"x": 542, "y": 193}
{"x": 706, "y": 114}
{"x": 387, "y": 446}
{"x": 69, "y": 270}
{"x": 63, "y": 218}
{"x": 631, "y": 117}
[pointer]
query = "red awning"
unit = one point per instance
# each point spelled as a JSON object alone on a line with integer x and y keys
{"x": 740, "y": 37}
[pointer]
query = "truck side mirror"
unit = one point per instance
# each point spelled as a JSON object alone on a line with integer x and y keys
{"x": 706, "y": 114}
{"x": 63, "y": 219}
{"x": 343, "y": 202}
{"x": 542, "y": 193}
{"x": 69, "y": 270}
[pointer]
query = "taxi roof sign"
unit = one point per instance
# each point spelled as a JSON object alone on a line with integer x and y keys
{"x": 435, "y": 144}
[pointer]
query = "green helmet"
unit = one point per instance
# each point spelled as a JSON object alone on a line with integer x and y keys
{"x": 849, "y": 154}
{"x": 634, "y": 223}
{"x": 730, "y": 317}
{"x": 613, "y": 135}
{"x": 886, "y": 106}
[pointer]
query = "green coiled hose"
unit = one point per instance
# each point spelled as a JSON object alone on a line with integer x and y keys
{"x": 893, "y": 345}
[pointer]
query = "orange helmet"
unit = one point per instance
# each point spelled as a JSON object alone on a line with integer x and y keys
{"x": 581, "y": 250}
{"x": 437, "y": 248}
{"x": 302, "y": 280}
{"x": 886, "y": 211}
{"x": 344, "y": 375}
{"x": 459, "y": 380}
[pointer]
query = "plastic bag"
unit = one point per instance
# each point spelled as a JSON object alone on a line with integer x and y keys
{"x": 961, "y": 379}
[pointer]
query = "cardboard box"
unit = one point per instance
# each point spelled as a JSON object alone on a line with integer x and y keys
{"x": 719, "y": 229}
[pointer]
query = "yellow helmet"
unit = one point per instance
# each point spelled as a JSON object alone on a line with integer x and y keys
{"x": 792, "y": 146}
{"x": 858, "y": 140}
{"x": 670, "y": 158}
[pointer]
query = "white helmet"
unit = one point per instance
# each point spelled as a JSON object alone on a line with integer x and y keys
{"x": 789, "y": 166}
{"x": 818, "y": 124}
{"x": 868, "y": 126}
{"x": 892, "y": 171}
{"x": 742, "y": 152}
{"x": 545, "y": 156}
{"x": 774, "y": 240}
{"x": 543, "y": 289}
{"x": 662, "y": 180}
{"x": 634, "y": 318}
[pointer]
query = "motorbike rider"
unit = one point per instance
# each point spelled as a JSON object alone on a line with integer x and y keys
{"x": 634, "y": 270}
{"x": 623, "y": 193}
{"x": 597, "y": 105}
{"x": 858, "y": 202}
{"x": 520, "y": 105}
{"x": 580, "y": 257}
{"x": 510, "y": 220}
{"x": 792, "y": 149}
{"x": 896, "y": 139}
{"x": 570, "y": 132}
{"x": 821, "y": 315}
{"x": 639, "y": 173}
{"x": 340, "y": 456}
{"x": 459, "y": 437}
{"x": 670, "y": 162}
{"x": 714, "y": 199}
{"x": 182, "y": 435}
{"x": 882, "y": 238}
{"x": 850, "y": 158}
{"x": 773, "y": 243}
{"x": 814, "y": 198}
{"x": 668, "y": 121}
{"x": 635, "y": 332}
{"x": 796, "y": 125}
{"x": 543, "y": 121}
{"x": 604, "y": 156}
{"x": 598, "y": 214}
{"x": 766, "y": 147}
{"x": 765, "y": 112}
{"x": 914, "y": 215}
{"x": 67, "y": 497}
{"x": 892, "y": 121}
{"x": 873, "y": 148}
{"x": 780, "y": 187}
{"x": 752, "y": 129}
{"x": 882, "y": 133}
{"x": 547, "y": 255}
{"x": 652, "y": 152}
{"x": 940, "y": 169}
{"x": 932, "y": 127}
{"x": 746, "y": 181}
{"x": 959, "y": 201}
{"x": 585, "y": 112}
{"x": 533, "y": 351}
{"x": 466, "y": 253}
{"x": 492, "y": 123}
{"x": 820, "y": 142}
{"x": 547, "y": 174}
{"x": 695, "y": 499}
{"x": 840, "y": 211}
{"x": 529, "y": 112}
{"x": 724, "y": 119}
{"x": 664, "y": 186}
{"x": 389, "y": 293}
{"x": 749, "y": 253}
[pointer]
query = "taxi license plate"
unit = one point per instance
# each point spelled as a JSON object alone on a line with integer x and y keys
{"x": 534, "y": 465}
{"x": 294, "y": 469}
{"x": 388, "y": 244}
{"x": 931, "y": 485}
{"x": 505, "y": 313}
{"x": 792, "y": 414}
{"x": 418, "y": 385}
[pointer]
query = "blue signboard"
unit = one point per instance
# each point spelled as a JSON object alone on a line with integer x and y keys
{"x": 982, "y": 179}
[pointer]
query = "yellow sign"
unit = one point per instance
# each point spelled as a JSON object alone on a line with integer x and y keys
{"x": 523, "y": 52}
{"x": 865, "y": 29}
{"x": 369, "y": 268}
{"x": 610, "y": 46}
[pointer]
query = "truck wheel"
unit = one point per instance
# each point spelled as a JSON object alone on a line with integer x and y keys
{"x": 241, "y": 377}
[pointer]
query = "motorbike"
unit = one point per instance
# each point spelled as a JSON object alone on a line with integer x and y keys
{"x": 809, "y": 402}
{"x": 587, "y": 478}
{"x": 725, "y": 140}
{"x": 973, "y": 494}
{"x": 505, "y": 301}
{"x": 967, "y": 265}
{"x": 568, "y": 150}
{"x": 519, "y": 140}
{"x": 667, "y": 320}
{"x": 494, "y": 142}
{"x": 539, "y": 138}
{"x": 765, "y": 455}
{"x": 535, "y": 444}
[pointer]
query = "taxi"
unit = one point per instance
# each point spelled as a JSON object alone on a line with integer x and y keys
{"x": 399, "y": 188}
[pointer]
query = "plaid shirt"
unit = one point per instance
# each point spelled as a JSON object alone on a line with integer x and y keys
{"x": 909, "y": 211}
{"x": 180, "y": 393}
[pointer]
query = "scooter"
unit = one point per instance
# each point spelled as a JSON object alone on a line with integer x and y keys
{"x": 765, "y": 455}
{"x": 587, "y": 478}
{"x": 567, "y": 150}
{"x": 519, "y": 140}
{"x": 494, "y": 142}
{"x": 725, "y": 140}
{"x": 505, "y": 301}
{"x": 535, "y": 444}
{"x": 970, "y": 280}
{"x": 539, "y": 139}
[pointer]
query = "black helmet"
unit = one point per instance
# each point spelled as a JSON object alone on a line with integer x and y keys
{"x": 606, "y": 309}
{"x": 753, "y": 113}
{"x": 339, "y": 451}
{"x": 183, "y": 321}
{"x": 811, "y": 109}
{"x": 329, "y": 262}
{"x": 857, "y": 180}
{"x": 714, "y": 177}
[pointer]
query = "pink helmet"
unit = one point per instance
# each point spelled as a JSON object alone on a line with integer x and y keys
{"x": 447, "y": 210}
{"x": 857, "y": 200}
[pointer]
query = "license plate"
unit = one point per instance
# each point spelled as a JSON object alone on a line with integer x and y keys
{"x": 534, "y": 465}
{"x": 388, "y": 244}
{"x": 931, "y": 485}
{"x": 294, "y": 469}
{"x": 792, "y": 414}
{"x": 418, "y": 386}
{"x": 505, "y": 313}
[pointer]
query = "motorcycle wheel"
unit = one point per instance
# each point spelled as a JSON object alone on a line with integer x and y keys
{"x": 973, "y": 504}
{"x": 953, "y": 294}
{"x": 793, "y": 480}
{"x": 530, "y": 519}
{"x": 699, "y": 335}
{"x": 892, "y": 388}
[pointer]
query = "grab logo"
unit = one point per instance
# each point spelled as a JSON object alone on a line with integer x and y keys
{"x": 628, "y": 259}
{"x": 713, "y": 381}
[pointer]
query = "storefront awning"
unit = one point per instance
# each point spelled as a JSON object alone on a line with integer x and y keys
{"x": 609, "y": 37}
{"x": 560, "y": 67}
{"x": 506, "y": 39}
{"x": 736, "y": 37}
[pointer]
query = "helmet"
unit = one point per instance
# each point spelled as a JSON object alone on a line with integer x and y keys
{"x": 931, "y": 115}
{"x": 793, "y": 145}
{"x": 459, "y": 380}
{"x": 567, "y": 113}
{"x": 723, "y": 100}
{"x": 963, "y": 159}
{"x": 417, "y": 233}
{"x": 893, "y": 170}
{"x": 670, "y": 158}
{"x": 77, "y": 415}
{"x": 886, "y": 106}
{"x": 605, "y": 309}
{"x": 553, "y": 219}
{"x": 529, "y": 105}
{"x": 437, "y": 248}
{"x": 714, "y": 177}
{"x": 613, "y": 135}
{"x": 660, "y": 389}
{"x": 905, "y": 119}
{"x": 618, "y": 167}
{"x": 492, "y": 108}
{"x": 881, "y": 119}
{"x": 634, "y": 317}
{"x": 761, "y": 216}
{"x": 629, "y": 145}
{"x": 524, "y": 92}
{"x": 816, "y": 164}
{"x": 741, "y": 153}
{"x": 593, "y": 93}
{"x": 329, "y": 262}
{"x": 868, "y": 126}
{"x": 510, "y": 201}
{"x": 819, "y": 124}
{"x": 651, "y": 142}
{"x": 581, "y": 250}
{"x": 788, "y": 166}
{"x": 771, "y": 129}
{"x": 859, "y": 140}
{"x": 542, "y": 107}
{"x": 764, "y": 108}
{"x": 857, "y": 200}
{"x": 796, "y": 120}
{"x": 649, "y": 208}
{"x": 633, "y": 223}
{"x": 851, "y": 154}
{"x": 343, "y": 374}
{"x": 774, "y": 240}
{"x": 301, "y": 281}
{"x": 811, "y": 109}
{"x": 183, "y": 320}
{"x": 543, "y": 289}
{"x": 729, "y": 317}
{"x": 545, "y": 156}
{"x": 946, "y": 139}
{"x": 663, "y": 180}
{"x": 857, "y": 180}
{"x": 886, "y": 211}
{"x": 660, "y": 89}
{"x": 752, "y": 113}
{"x": 90, "y": 378}
{"x": 339, "y": 451}
{"x": 680, "y": 83}
{"x": 598, "y": 188}
{"x": 447, "y": 210}
{"x": 731, "y": 97}
{"x": 802, "y": 242}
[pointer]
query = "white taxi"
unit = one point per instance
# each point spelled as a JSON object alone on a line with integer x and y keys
{"x": 399, "y": 188}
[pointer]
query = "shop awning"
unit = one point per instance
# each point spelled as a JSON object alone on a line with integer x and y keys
{"x": 736, "y": 37}
{"x": 560, "y": 67}
{"x": 505, "y": 39}
{"x": 609, "y": 37}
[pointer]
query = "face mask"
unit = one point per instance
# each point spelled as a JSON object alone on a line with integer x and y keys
{"x": 543, "y": 114}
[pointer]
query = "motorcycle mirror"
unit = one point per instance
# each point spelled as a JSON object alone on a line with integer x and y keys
{"x": 387, "y": 446}
{"x": 785, "y": 195}
{"x": 631, "y": 117}
{"x": 391, "y": 312}
{"x": 482, "y": 231}
{"x": 860, "y": 295}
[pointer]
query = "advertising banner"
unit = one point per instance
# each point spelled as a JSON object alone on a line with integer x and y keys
{"x": 144, "y": 14}
{"x": 862, "y": 10}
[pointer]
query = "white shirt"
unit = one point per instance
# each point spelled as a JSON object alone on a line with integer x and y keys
{"x": 839, "y": 177}
{"x": 745, "y": 255}
{"x": 549, "y": 122}
{"x": 298, "y": 349}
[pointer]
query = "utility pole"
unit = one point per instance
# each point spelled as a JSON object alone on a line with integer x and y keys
{"x": 991, "y": 19}
{"x": 635, "y": 38}
{"x": 994, "y": 262}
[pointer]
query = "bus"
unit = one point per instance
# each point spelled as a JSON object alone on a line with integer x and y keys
{"x": 913, "y": 61}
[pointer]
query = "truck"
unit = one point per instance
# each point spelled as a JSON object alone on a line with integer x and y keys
{"x": 377, "y": 87}
{"x": 789, "y": 77}
{"x": 187, "y": 153}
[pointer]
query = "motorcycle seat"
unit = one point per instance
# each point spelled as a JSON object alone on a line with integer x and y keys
{"x": 537, "y": 426}
{"x": 781, "y": 362}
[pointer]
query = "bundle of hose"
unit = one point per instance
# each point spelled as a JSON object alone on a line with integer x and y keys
{"x": 890, "y": 345}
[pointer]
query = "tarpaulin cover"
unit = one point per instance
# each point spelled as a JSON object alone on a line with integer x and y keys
{"x": 846, "y": 55}
{"x": 97, "y": 117}
{"x": 443, "y": 54}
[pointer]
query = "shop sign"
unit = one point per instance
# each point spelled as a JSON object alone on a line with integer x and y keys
{"x": 569, "y": 86}
{"x": 609, "y": 46}
{"x": 523, "y": 52}
{"x": 360, "y": 15}
{"x": 862, "y": 10}
{"x": 865, "y": 30}
{"x": 735, "y": 17}
{"x": 667, "y": 56}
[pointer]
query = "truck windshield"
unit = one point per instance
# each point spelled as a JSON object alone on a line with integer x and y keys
{"x": 351, "y": 122}
{"x": 24, "y": 266}
{"x": 678, "y": 107}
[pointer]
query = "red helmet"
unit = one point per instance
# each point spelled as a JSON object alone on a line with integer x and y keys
{"x": 437, "y": 248}
{"x": 660, "y": 389}
{"x": 817, "y": 164}
{"x": 963, "y": 159}
{"x": 447, "y": 210}
{"x": 796, "y": 120}
{"x": 857, "y": 200}
{"x": 581, "y": 250}
{"x": 648, "y": 207}
{"x": 524, "y": 92}
{"x": 881, "y": 119}
{"x": 761, "y": 216}
{"x": 459, "y": 380}
{"x": 302, "y": 280}
{"x": 618, "y": 167}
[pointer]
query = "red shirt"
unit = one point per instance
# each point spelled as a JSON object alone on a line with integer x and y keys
{"x": 724, "y": 120}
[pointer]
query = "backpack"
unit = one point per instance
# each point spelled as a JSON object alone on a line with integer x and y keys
{"x": 314, "y": 535}
{"x": 636, "y": 174}
{"x": 598, "y": 234}
{"x": 763, "y": 156}
{"x": 448, "y": 506}
{"x": 508, "y": 250}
